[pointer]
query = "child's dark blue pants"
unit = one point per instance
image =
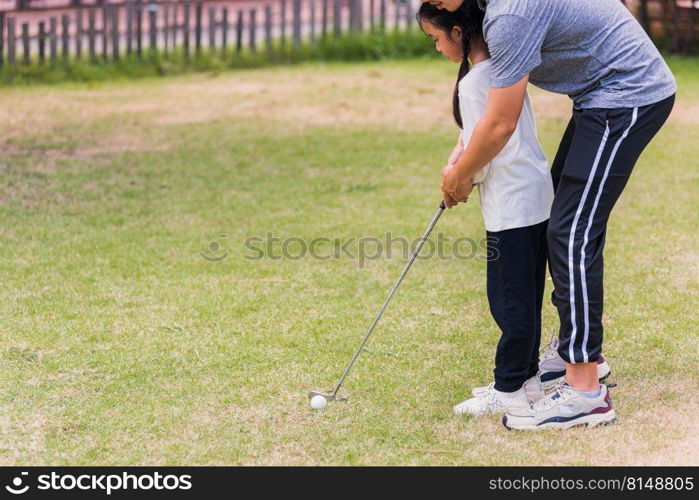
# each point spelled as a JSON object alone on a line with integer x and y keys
{"x": 516, "y": 278}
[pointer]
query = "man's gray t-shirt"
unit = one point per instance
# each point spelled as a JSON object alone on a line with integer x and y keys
{"x": 592, "y": 50}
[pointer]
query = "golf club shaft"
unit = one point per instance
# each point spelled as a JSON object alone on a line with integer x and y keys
{"x": 390, "y": 295}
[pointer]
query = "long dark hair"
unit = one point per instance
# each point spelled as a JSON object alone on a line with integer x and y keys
{"x": 469, "y": 18}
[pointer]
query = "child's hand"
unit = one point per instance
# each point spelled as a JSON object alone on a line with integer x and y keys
{"x": 455, "y": 190}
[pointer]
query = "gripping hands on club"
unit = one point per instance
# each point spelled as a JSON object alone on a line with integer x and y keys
{"x": 454, "y": 189}
{"x": 450, "y": 182}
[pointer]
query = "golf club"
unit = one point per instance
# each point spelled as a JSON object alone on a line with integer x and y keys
{"x": 331, "y": 396}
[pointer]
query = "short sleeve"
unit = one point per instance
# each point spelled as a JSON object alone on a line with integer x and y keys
{"x": 472, "y": 110}
{"x": 515, "y": 45}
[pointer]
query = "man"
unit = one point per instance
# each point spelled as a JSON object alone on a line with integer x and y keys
{"x": 622, "y": 91}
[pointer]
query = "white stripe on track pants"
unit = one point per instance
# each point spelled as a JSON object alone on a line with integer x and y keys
{"x": 594, "y": 162}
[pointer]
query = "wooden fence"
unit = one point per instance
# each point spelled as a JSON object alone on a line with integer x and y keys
{"x": 110, "y": 31}
{"x": 675, "y": 21}
{"x": 107, "y": 31}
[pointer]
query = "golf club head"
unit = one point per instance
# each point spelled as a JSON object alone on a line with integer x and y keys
{"x": 329, "y": 396}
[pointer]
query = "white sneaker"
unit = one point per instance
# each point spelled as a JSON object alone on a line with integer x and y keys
{"x": 552, "y": 368}
{"x": 492, "y": 401}
{"x": 532, "y": 387}
{"x": 482, "y": 389}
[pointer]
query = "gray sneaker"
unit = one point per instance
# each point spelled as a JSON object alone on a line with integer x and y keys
{"x": 565, "y": 407}
{"x": 552, "y": 368}
{"x": 534, "y": 389}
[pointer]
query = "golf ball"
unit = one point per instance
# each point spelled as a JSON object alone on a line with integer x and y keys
{"x": 318, "y": 402}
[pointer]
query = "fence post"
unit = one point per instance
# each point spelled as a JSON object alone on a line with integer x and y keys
{"x": 42, "y": 42}
{"x": 352, "y": 8}
{"x": 65, "y": 36}
{"x": 25, "y": 42}
{"x": 212, "y": 28}
{"x": 11, "y": 41}
{"x": 382, "y": 15}
{"x": 689, "y": 35}
{"x": 297, "y": 23}
{"x": 642, "y": 13}
{"x": 173, "y": 27}
{"x": 239, "y": 32}
{"x": 360, "y": 15}
{"x": 129, "y": 26}
{"x": 325, "y": 19}
{"x": 139, "y": 28}
{"x": 186, "y": 29}
{"x": 313, "y": 22}
{"x": 153, "y": 29}
{"x": 337, "y": 17}
{"x": 105, "y": 31}
{"x": 283, "y": 22}
{"x": 268, "y": 27}
{"x": 396, "y": 11}
{"x": 91, "y": 28}
{"x": 224, "y": 37}
{"x": 53, "y": 41}
{"x": 79, "y": 34}
{"x": 2, "y": 38}
{"x": 253, "y": 30}
{"x": 197, "y": 27}
{"x": 115, "y": 32}
{"x": 166, "y": 26}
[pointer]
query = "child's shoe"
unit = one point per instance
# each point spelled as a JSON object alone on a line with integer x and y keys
{"x": 532, "y": 387}
{"x": 492, "y": 401}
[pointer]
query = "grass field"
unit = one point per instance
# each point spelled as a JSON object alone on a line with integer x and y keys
{"x": 121, "y": 344}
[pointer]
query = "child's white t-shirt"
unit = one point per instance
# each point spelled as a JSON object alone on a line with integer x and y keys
{"x": 515, "y": 189}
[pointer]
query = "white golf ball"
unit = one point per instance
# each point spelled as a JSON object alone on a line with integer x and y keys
{"x": 318, "y": 402}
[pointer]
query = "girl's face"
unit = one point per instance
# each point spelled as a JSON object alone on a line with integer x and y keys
{"x": 450, "y": 5}
{"x": 450, "y": 47}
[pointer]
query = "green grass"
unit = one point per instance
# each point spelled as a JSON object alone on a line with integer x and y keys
{"x": 120, "y": 344}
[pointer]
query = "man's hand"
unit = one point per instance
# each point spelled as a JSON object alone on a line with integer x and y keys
{"x": 489, "y": 136}
{"x": 455, "y": 189}
{"x": 449, "y": 201}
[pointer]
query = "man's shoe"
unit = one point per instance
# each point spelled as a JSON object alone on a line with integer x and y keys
{"x": 534, "y": 389}
{"x": 552, "y": 368}
{"x": 562, "y": 409}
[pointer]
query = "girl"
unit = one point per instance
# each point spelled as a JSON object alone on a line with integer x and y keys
{"x": 516, "y": 192}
